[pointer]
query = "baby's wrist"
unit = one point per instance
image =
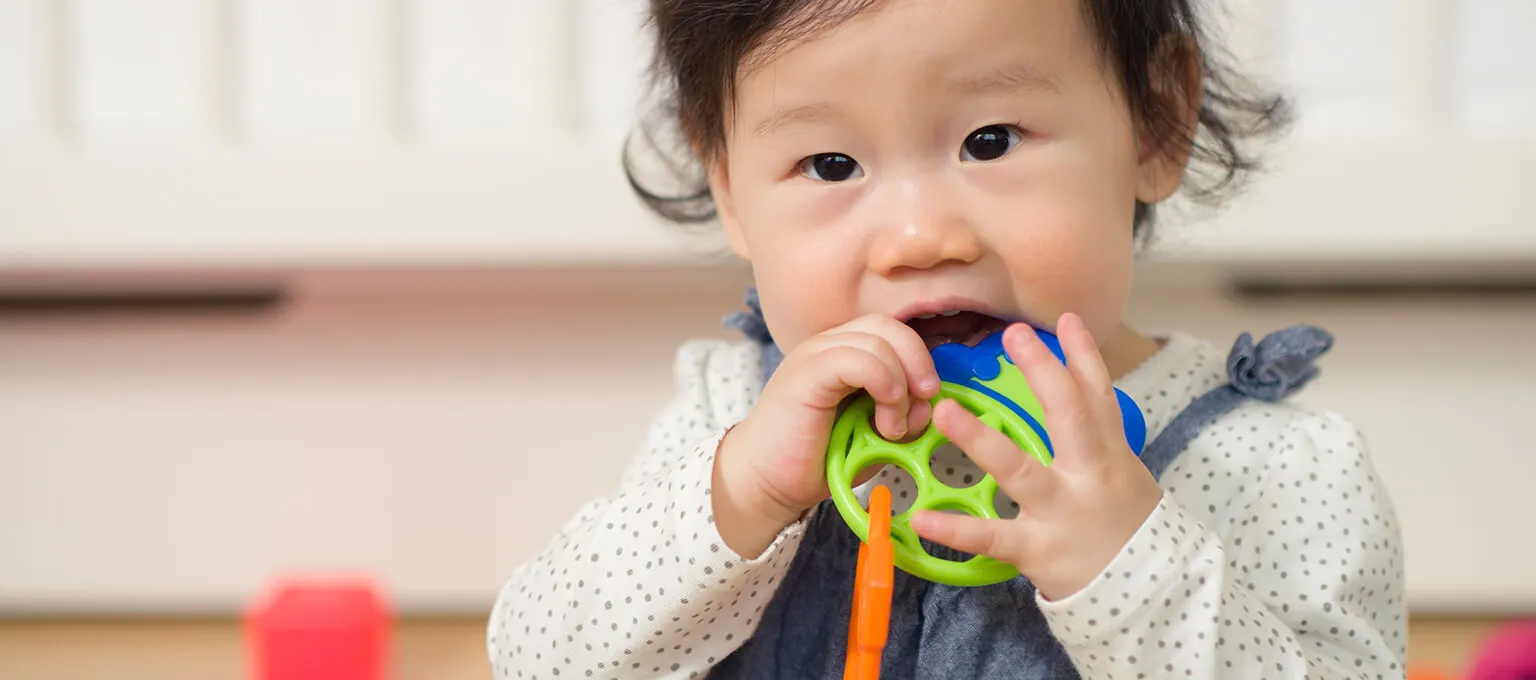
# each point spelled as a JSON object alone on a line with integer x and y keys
{"x": 1065, "y": 582}
{"x": 1072, "y": 571}
{"x": 747, "y": 518}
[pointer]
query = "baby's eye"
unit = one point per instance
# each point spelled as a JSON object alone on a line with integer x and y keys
{"x": 989, "y": 143}
{"x": 830, "y": 167}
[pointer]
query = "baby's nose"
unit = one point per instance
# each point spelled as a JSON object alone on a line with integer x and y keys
{"x": 931, "y": 231}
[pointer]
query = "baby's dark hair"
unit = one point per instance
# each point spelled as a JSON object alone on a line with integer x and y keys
{"x": 701, "y": 46}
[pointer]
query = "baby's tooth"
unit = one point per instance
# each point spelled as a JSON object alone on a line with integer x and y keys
{"x": 951, "y": 313}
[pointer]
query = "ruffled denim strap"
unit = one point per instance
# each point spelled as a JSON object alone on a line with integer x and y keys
{"x": 1278, "y": 365}
{"x": 1270, "y": 370}
{"x": 752, "y": 324}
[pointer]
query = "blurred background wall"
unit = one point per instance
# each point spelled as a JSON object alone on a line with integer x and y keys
{"x": 359, "y": 285}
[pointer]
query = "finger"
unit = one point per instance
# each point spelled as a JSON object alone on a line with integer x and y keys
{"x": 995, "y": 538}
{"x": 922, "y": 376}
{"x": 862, "y": 361}
{"x": 918, "y": 418}
{"x": 1087, "y": 365}
{"x": 1067, "y": 418}
{"x": 1018, "y": 474}
{"x": 894, "y": 415}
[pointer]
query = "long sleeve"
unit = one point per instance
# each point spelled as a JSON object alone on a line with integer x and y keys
{"x": 1258, "y": 563}
{"x": 639, "y": 584}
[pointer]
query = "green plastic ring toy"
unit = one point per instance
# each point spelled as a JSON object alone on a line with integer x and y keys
{"x": 984, "y": 381}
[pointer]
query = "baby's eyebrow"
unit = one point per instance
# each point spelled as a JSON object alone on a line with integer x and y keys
{"x": 798, "y": 114}
{"x": 1011, "y": 76}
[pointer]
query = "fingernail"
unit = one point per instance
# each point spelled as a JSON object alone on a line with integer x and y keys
{"x": 938, "y": 414}
{"x": 929, "y": 385}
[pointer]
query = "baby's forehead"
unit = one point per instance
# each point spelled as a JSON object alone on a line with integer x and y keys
{"x": 812, "y": 20}
{"x": 938, "y": 47}
{"x": 929, "y": 30}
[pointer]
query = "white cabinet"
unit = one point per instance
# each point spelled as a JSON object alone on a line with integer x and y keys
{"x": 282, "y": 210}
{"x": 141, "y": 72}
{"x": 1455, "y": 201}
{"x": 290, "y": 133}
{"x": 1362, "y": 68}
{"x": 23, "y": 65}
{"x": 314, "y": 72}
{"x": 612, "y": 53}
{"x": 1494, "y": 66}
{"x": 480, "y": 71}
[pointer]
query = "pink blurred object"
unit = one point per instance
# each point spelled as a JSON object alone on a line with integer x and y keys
{"x": 1509, "y": 654}
{"x": 319, "y": 629}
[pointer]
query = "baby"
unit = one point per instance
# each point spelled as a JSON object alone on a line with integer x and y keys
{"x": 907, "y": 173}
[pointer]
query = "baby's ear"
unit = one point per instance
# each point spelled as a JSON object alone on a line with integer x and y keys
{"x": 1177, "y": 78}
{"x": 725, "y": 206}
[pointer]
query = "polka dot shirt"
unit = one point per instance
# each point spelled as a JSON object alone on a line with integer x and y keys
{"x": 1275, "y": 552}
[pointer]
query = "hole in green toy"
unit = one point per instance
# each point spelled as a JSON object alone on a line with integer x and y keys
{"x": 906, "y": 536}
{"x": 898, "y": 480}
{"x": 1005, "y": 507}
{"x": 950, "y": 554}
{"x": 953, "y": 468}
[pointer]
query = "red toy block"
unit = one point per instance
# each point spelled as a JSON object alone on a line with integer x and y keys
{"x": 1508, "y": 654}
{"x": 314, "y": 629}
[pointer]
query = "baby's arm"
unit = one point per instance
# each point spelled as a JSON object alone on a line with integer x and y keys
{"x": 640, "y": 583}
{"x": 1301, "y": 578}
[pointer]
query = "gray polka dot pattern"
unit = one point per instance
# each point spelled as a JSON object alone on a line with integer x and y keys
{"x": 1274, "y": 554}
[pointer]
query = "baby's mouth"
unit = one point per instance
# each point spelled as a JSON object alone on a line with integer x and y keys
{"x": 967, "y": 328}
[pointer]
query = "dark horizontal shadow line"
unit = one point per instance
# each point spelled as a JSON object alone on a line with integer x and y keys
{"x": 1258, "y": 289}
{"x": 136, "y": 302}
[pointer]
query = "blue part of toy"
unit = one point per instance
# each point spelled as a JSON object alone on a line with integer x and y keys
{"x": 972, "y": 366}
{"x": 1130, "y": 414}
{"x": 988, "y": 368}
{"x": 1135, "y": 423}
{"x": 1051, "y": 342}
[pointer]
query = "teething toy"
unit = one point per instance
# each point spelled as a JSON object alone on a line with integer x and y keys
{"x": 985, "y": 381}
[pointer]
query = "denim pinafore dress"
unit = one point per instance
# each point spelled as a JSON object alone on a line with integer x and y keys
{"x": 942, "y": 631}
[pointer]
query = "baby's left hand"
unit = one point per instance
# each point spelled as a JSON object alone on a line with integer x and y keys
{"x": 1075, "y": 515}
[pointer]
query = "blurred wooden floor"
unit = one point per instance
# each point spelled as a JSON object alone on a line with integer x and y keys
{"x": 448, "y": 649}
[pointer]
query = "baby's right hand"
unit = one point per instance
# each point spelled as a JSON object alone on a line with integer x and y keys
{"x": 771, "y": 467}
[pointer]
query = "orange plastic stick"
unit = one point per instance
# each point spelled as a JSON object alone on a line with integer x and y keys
{"x": 873, "y": 580}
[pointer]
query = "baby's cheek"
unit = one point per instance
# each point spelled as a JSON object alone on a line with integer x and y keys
{"x": 1072, "y": 263}
{"x": 1103, "y": 287}
{"x": 802, "y": 299}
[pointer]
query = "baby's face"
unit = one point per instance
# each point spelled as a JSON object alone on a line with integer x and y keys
{"x": 937, "y": 154}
